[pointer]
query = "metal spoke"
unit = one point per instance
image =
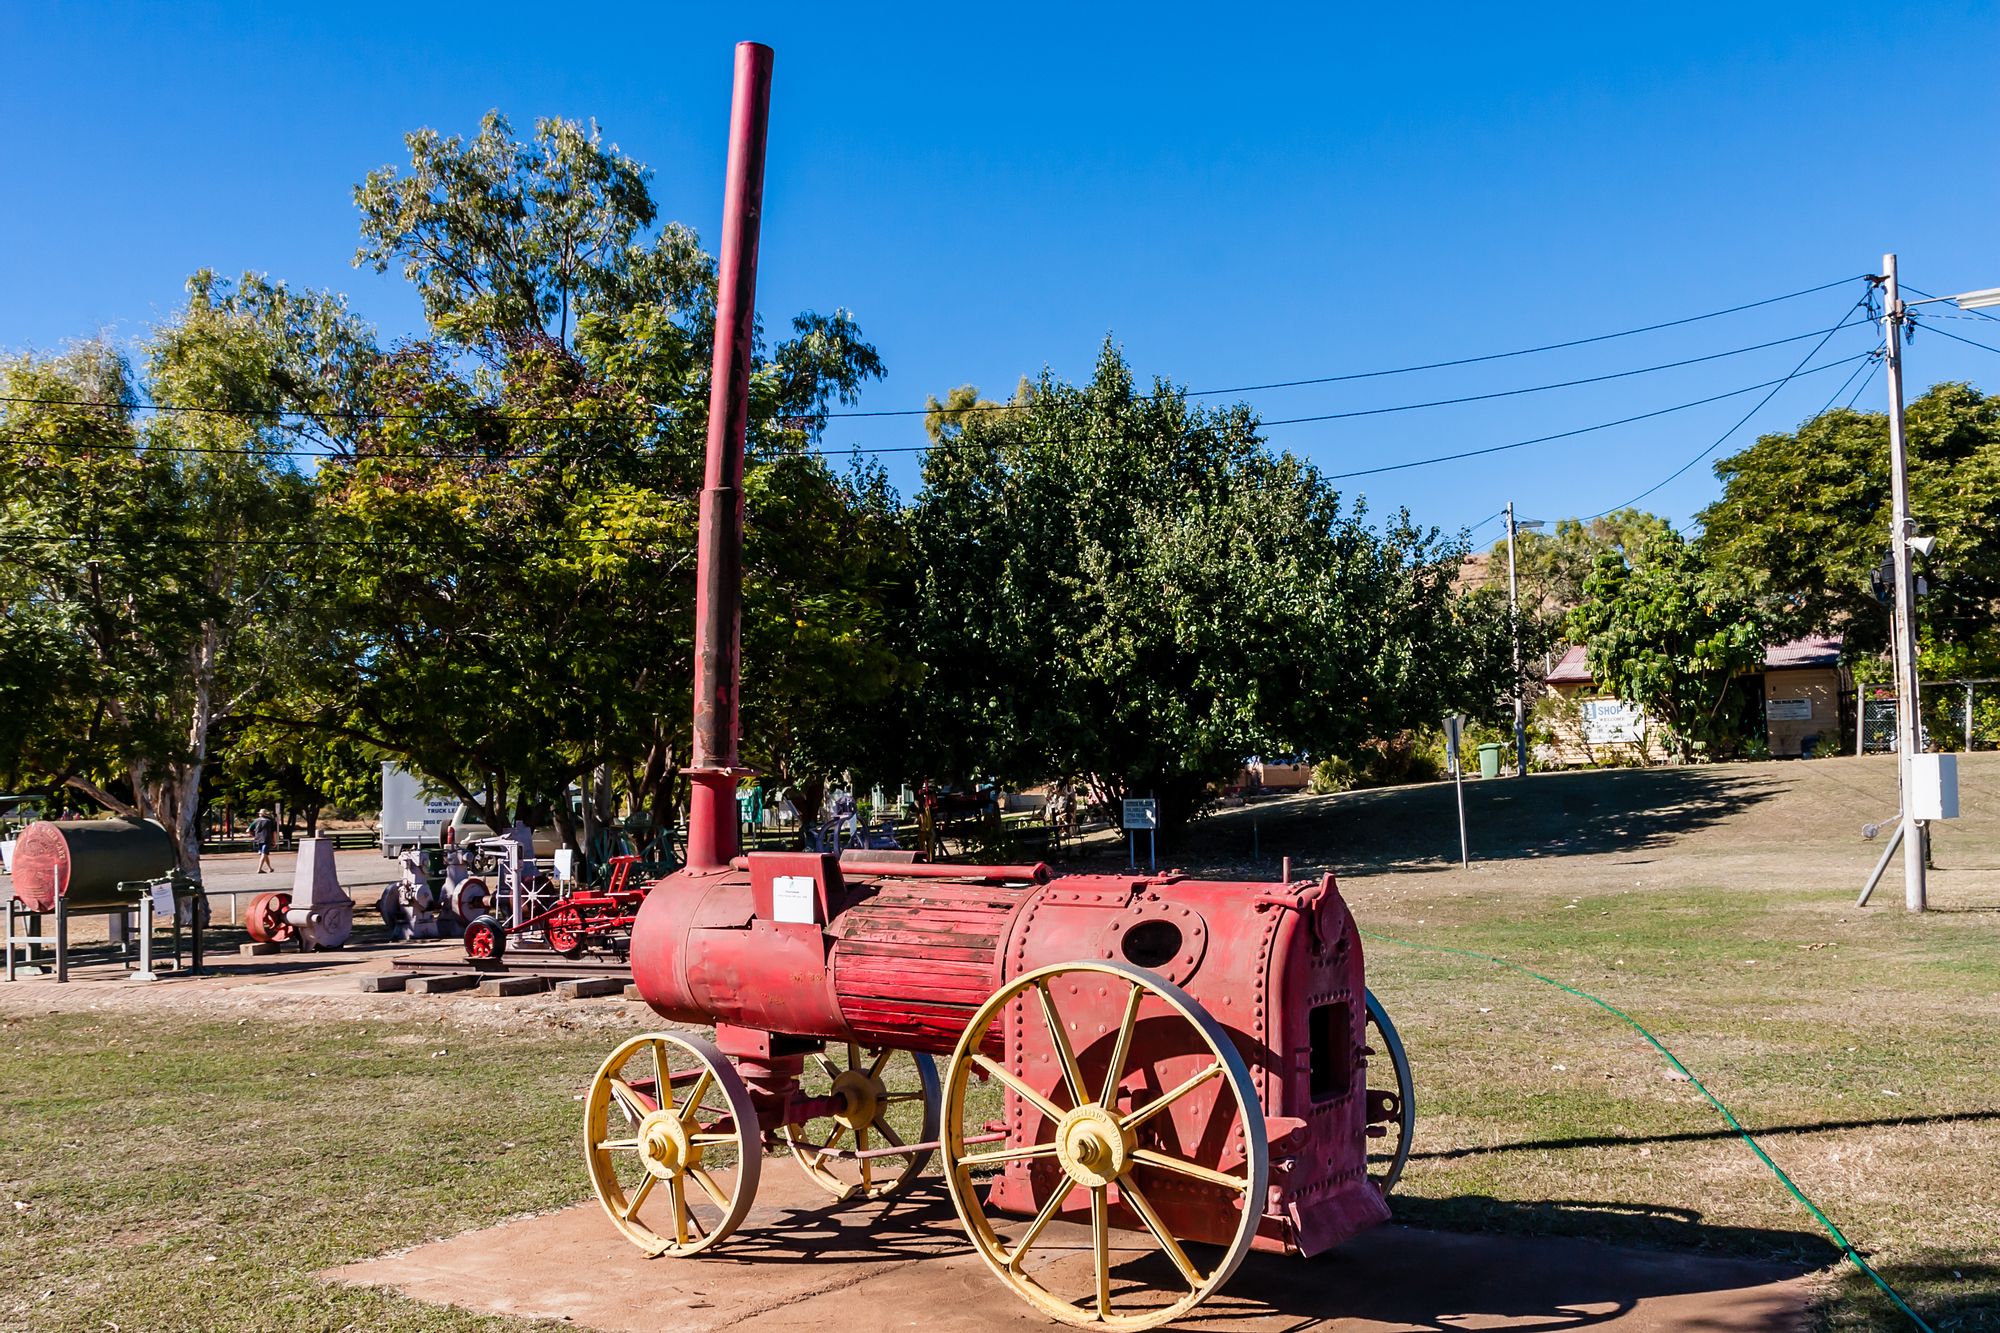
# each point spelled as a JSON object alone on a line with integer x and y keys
{"x": 704, "y": 1140}
{"x": 613, "y": 1145}
{"x": 693, "y": 1103}
{"x": 895, "y": 1139}
{"x": 635, "y": 1102}
{"x": 826, "y": 1066}
{"x": 853, "y": 1055}
{"x": 1021, "y": 1090}
{"x": 639, "y": 1195}
{"x": 1175, "y": 1164}
{"x": 1072, "y": 1076}
{"x": 1009, "y": 1155}
{"x": 679, "y": 1192}
{"x": 709, "y": 1187}
{"x": 1042, "y": 1219}
{"x": 867, "y": 1164}
{"x": 1142, "y": 1206}
{"x": 663, "y": 1078}
{"x": 1166, "y": 1099}
{"x": 1116, "y": 1069}
{"x": 875, "y": 1070}
{"x": 1100, "y": 1244}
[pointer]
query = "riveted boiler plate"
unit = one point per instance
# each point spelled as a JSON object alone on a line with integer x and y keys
{"x": 1164, "y": 937}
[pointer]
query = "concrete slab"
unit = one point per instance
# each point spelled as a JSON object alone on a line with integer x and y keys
{"x": 444, "y": 983}
{"x": 256, "y": 949}
{"x": 379, "y": 982}
{"x": 586, "y": 988}
{"x": 905, "y": 1264}
{"x": 632, "y": 991}
{"x": 504, "y": 987}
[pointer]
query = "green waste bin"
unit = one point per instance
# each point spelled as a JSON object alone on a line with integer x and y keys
{"x": 1489, "y": 759}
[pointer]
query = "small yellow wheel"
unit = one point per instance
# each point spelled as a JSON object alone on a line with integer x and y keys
{"x": 889, "y": 1100}
{"x": 1112, "y": 1142}
{"x": 668, "y": 1109}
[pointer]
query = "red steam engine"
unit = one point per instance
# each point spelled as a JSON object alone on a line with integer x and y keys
{"x": 1145, "y": 1076}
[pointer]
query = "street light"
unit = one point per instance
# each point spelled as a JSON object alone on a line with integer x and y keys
{"x": 1514, "y": 627}
{"x": 1903, "y": 540}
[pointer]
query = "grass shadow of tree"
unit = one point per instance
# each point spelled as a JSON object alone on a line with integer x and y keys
{"x": 1416, "y": 828}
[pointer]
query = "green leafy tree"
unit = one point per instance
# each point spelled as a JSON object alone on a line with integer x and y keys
{"x": 506, "y": 576}
{"x": 155, "y": 583}
{"x": 1131, "y": 588}
{"x": 1553, "y": 565}
{"x": 1804, "y": 516}
{"x": 1670, "y": 633}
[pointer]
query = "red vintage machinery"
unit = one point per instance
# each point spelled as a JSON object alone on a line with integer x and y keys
{"x": 580, "y": 919}
{"x": 1144, "y": 1078}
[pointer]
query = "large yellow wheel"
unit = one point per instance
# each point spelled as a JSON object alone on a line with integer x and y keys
{"x": 665, "y": 1113}
{"x": 889, "y": 1100}
{"x": 1108, "y": 1139}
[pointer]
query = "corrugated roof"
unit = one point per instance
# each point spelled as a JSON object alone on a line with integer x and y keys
{"x": 1807, "y": 652}
{"x": 1572, "y": 669}
{"x": 1812, "y": 651}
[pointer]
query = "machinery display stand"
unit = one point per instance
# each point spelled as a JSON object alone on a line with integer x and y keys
{"x": 24, "y": 943}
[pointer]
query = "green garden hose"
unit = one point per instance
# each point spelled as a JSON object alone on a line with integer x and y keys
{"x": 1846, "y": 1246}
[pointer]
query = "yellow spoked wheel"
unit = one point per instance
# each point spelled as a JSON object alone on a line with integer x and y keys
{"x": 1153, "y": 1130}
{"x": 665, "y": 1113}
{"x": 889, "y": 1101}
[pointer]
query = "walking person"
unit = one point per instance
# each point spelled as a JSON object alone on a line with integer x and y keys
{"x": 263, "y": 831}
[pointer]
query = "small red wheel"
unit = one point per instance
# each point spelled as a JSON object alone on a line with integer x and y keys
{"x": 565, "y": 931}
{"x": 485, "y": 938}
{"x": 265, "y": 918}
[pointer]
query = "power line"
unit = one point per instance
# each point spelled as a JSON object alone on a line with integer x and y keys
{"x": 1844, "y": 385}
{"x": 1400, "y": 370}
{"x": 1277, "y": 421}
{"x": 1560, "y": 384}
{"x": 1947, "y": 333}
{"x": 1862, "y": 387}
{"x": 1720, "y": 439}
{"x": 1970, "y": 314}
{"x": 372, "y": 414}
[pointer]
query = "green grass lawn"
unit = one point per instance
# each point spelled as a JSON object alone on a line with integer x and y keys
{"x": 168, "y": 1168}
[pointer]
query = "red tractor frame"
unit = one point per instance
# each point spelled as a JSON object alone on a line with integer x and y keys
{"x": 580, "y": 920}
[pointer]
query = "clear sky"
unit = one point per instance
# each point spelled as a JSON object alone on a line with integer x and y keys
{"x": 1237, "y": 194}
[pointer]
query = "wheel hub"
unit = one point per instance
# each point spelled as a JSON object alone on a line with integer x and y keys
{"x": 1092, "y": 1147}
{"x": 861, "y": 1098}
{"x": 664, "y": 1147}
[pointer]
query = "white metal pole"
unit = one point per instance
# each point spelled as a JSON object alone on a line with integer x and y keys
{"x": 1909, "y": 734}
{"x": 1514, "y": 626}
{"x": 1458, "y": 783}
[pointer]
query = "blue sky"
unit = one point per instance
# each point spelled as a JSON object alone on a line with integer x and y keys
{"x": 1237, "y": 195}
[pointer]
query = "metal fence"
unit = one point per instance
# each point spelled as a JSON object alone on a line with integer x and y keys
{"x": 1957, "y": 715}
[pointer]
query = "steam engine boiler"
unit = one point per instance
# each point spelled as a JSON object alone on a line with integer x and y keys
{"x": 1144, "y": 1076}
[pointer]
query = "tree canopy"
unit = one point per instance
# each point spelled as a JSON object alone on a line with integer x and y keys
{"x": 1804, "y": 515}
{"x": 1128, "y": 587}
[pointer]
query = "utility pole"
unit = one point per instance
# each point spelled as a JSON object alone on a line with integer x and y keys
{"x": 1514, "y": 629}
{"x": 1909, "y": 733}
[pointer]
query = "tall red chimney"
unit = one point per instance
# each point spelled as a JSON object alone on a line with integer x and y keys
{"x": 712, "y": 817}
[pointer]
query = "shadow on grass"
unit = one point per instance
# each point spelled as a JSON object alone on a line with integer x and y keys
{"x": 1951, "y": 1297}
{"x": 1705, "y": 1135}
{"x": 1548, "y": 814}
{"x": 1641, "y": 1225}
